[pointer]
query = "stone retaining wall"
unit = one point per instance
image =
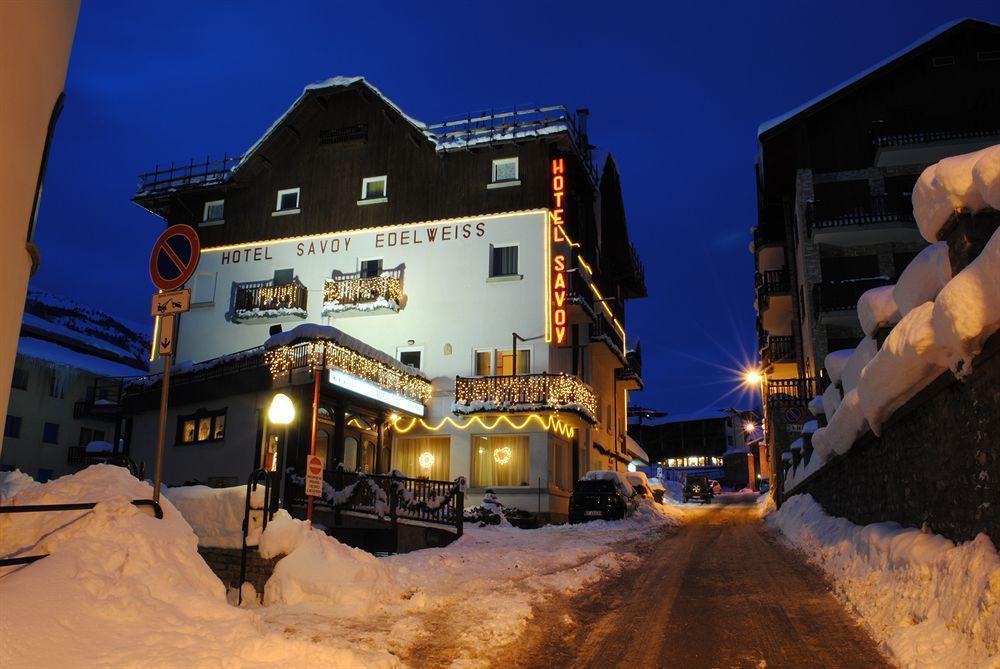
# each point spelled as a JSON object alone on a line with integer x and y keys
{"x": 225, "y": 562}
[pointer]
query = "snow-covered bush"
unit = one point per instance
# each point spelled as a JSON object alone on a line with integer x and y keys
{"x": 493, "y": 512}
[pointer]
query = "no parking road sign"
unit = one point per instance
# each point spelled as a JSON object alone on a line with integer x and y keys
{"x": 314, "y": 476}
{"x": 174, "y": 258}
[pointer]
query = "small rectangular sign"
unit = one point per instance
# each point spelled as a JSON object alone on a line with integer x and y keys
{"x": 314, "y": 476}
{"x": 165, "y": 336}
{"x": 174, "y": 302}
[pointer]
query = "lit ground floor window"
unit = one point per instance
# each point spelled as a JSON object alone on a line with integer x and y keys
{"x": 424, "y": 457}
{"x": 561, "y": 463}
{"x": 500, "y": 460}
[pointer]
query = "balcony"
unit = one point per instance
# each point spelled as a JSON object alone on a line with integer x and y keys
{"x": 782, "y": 393}
{"x": 840, "y": 298}
{"x": 104, "y": 400}
{"x": 267, "y": 302}
{"x": 777, "y": 348}
{"x": 855, "y": 221}
{"x": 771, "y": 282}
{"x": 357, "y": 292}
{"x": 525, "y": 393}
{"x": 631, "y": 373}
{"x": 767, "y": 237}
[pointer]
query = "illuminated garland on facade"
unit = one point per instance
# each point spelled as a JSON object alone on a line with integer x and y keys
{"x": 285, "y": 296}
{"x": 552, "y": 423}
{"x": 323, "y": 354}
{"x": 554, "y": 391}
{"x": 359, "y": 289}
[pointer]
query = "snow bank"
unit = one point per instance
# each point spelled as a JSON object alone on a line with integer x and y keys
{"x": 815, "y": 406}
{"x": 876, "y": 307}
{"x": 970, "y": 181}
{"x": 216, "y": 514}
{"x": 319, "y": 569}
{"x": 13, "y": 482}
{"x": 121, "y": 588}
{"x": 844, "y": 428}
{"x": 607, "y": 475}
{"x": 932, "y": 604}
{"x": 908, "y": 361}
{"x": 861, "y": 356}
{"x": 836, "y": 361}
{"x": 831, "y": 400}
{"x": 967, "y": 311}
{"x": 923, "y": 278}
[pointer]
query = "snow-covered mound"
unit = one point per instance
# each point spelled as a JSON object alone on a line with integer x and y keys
{"x": 923, "y": 278}
{"x": 13, "y": 482}
{"x": 216, "y": 514}
{"x": 121, "y": 588}
{"x": 970, "y": 182}
{"x": 932, "y": 604}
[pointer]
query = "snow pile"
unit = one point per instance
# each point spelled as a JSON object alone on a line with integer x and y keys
{"x": 319, "y": 569}
{"x": 121, "y": 588}
{"x": 931, "y": 604}
{"x": 815, "y": 406}
{"x": 831, "y": 400}
{"x": 969, "y": 182}
{"x": 923, "y": 278}
{"x": 216, "y": 514}
{"x": 847, "y": 424}
{"x": 877, "y": 308}
{"x": 608, "y": 475}
{"x": 13, "y": 482}
{"x": 908, "y": 361}
{"x": 967, "y": 311}
{"x": 836, "y": 361}
{"x": 861, "y": 356}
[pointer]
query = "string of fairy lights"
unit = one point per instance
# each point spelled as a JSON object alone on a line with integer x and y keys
{"x": 363, "y": 289}
{"x": 323, "y": 354}
{"x": 549, "y": 390}
{"x": 549, "y": 423}
{"x": 283, "y": 296}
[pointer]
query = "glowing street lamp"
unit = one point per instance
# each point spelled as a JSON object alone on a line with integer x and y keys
{"x": 281, "y": 411}
{"x": 753, "y": 377}
{"x": 749, "y": 427}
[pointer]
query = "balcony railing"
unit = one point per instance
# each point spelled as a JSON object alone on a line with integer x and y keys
{"x": 894, "y": 207}
{"x": 357, "y": 292}
{"x": 263, "y": 300}
{"x": 104, "y": 399}
{"x": 632, "y": 370}
{"x": 771, "y": 282}
{"x": 791, "y": 392}
{"x": 843, "y": 295}
{"x": 780, "y": 348}
{"x": 164, "y": 179}
{"x": 525, "y": 392}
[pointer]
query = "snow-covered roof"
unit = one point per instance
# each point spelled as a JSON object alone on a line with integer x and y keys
{"x": 54, "y": 353}
{"x": 701, "y": 414}
{"x": 314, "y": 331}
{"x": 635, "y": 450}
{"x": 769, "y": 125}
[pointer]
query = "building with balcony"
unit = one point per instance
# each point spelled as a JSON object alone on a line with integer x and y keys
{"x": 834, "y": 181}
{"x": 459, "y": 288}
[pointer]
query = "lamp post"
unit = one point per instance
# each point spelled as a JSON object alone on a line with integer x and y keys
{"x": 281, "y": 412}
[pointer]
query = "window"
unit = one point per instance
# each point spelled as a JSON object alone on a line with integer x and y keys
{"x": 283, "y": 277}
{"x": 57, "y": 385}
{"x": 503, "y": 260}
{"x": 424, "y": 457}
{"x": 373, "y": 189}
{"x": 288, "y": 201}
{"x": 561, "y": 464}
{"x": 503, "y": 360}
{"x": 505, "y": 170}
{"x": 410, "y": 356}
{"x": 213, "y": 212}
{"x": 204, "y": 288}
{"x": 500, "y": 460}
{"x": 13, "y": 427}
{"x": 371, "y": 268}
{"x": 201, "y": 426}
{"x": 50, "y": 433}
{"x": 20, "y": 379}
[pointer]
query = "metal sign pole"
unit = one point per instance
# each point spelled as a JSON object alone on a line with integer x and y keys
{"x": 312, "y": 440}
{"x": 158, "y": 472}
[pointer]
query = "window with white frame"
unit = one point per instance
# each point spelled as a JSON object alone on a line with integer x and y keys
{"x": 370, "y": 268}
{"x": 214, "y": 211}
{"x": 505, "y": 170}
{"x": 374, "y": 188}
{"x": 288, "y": 200}
{"x": 500, "y": 460}
{"x": 204, "y": 288}
{"x": 503, "y": 260}
{"x": 411, "y": 355}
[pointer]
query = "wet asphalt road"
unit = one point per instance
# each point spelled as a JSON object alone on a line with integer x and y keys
{"x": 721, "y": 592}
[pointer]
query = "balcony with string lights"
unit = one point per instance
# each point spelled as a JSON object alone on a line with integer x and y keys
{"x": 268, "y": 302}
{"x": 521, "y": 393}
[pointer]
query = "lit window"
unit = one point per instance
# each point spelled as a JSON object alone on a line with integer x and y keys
{"x": 505, "y": 169}
{"x": 424, "y": 457}
{"x": 374, "y": 188}
{"x": 505, "y": 362}
{"x": 288, "y": 200}
{"x": 503, "y": 260}
{"x": 500, "y": 460}
{"x": 484, "y": 363}
{"x": 213, "y": 212}
{"x": 201, "y": 426}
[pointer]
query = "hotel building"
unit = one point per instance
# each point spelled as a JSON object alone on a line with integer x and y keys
{"x": 459, "y": 289}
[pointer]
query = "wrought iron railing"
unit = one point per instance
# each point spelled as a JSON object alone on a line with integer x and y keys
{"x": 348, "y": 291}
{"x": 778, "y": 348}
{"x": 844, "y": 295}
{"x": 894, "y": 207}
{"x": 771, "y": 282}
{"x": 791, "y": 392}
{"x": 178, "y": 177}
{"x": 265, "y": 299}
{"x": 525, "y": 392}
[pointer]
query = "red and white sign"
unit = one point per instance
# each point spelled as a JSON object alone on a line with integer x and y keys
{"x": 558, "y": 236}
{"x": 314, "y": 476}
{"x": 174, "y": 258}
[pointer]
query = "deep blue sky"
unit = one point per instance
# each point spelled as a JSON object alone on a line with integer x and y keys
{"x": 676, "y": 91}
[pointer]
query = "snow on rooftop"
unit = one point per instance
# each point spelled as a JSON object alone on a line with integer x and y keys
{"x": 314, "y": 331}
{"x": 60, "y": 355}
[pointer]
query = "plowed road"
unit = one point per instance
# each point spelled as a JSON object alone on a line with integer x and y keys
{"x": 721, "y": 592}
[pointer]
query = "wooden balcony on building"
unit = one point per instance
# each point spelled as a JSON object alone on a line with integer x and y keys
{"x": 523, "y": 393}
{"x": 771, "y": 283}
{"x": 777, "y": 348}
{"x": 357, "y": 292}
{"x": 104, "y": 400}
{"x": 838, "y": 300}
{"x": 631, "y": 374}
{"x": 871, "y": 220}
{"x": 267, "y": 302}
{"x": 781, "y": 393}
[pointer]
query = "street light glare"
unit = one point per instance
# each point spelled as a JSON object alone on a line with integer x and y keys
{"x": 753, "y": 377}
{"x": 281, "y": 411}
{"x": 749, "y": 427}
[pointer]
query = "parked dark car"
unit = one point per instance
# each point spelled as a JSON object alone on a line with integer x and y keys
{"x": 698, "y": 487}
{"x": 601, "y": 499}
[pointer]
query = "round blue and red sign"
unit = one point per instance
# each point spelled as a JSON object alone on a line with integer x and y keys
{"x": 175, "y": 257}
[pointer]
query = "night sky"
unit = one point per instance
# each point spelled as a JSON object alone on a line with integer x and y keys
{"x": 676, "y": 92}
